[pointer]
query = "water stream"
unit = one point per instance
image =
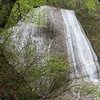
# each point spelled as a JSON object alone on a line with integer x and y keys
{"x": 81, "y": 53}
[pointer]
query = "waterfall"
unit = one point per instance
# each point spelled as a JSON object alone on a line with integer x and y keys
{"x": 62, "y": 27}
{"x": 80, "y": 51}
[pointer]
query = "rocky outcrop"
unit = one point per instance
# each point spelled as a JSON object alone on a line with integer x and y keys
{"x": 30, "y": 43}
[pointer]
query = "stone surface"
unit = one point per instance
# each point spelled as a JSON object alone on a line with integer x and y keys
{"x": 45, "y": 39}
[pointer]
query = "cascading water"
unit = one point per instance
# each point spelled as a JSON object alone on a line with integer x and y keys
{"x": 80, "y": 51}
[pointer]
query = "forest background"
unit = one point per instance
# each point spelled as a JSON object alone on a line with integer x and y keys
{"x": 13, "y": 85}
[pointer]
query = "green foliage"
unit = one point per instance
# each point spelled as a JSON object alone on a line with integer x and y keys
{"x": 89, "y": 88}
{"x": 22, "y": 7}
{"x": 88, "y": 5}
{"x": 39, "y": 71}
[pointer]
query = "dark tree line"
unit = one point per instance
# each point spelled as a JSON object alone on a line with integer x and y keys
{"x": 5, "y": 9}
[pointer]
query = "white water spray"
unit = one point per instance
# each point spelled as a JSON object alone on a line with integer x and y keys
{"x": 80, "y": 51}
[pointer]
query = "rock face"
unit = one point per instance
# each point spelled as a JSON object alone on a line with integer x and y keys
{"x": 63, "y": 32}
{"x": 31, "y": 42}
